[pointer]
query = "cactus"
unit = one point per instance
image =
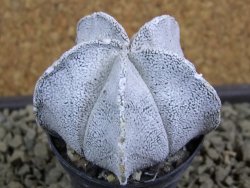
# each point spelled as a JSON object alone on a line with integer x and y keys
{"x": 125, "y": 105}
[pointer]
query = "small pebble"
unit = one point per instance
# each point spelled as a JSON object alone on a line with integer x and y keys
{"x": 53, "y": 176}
{"x": 24, "y": 170}
{"x": 137, "y": 175}
{"x": 213, "y": 154}
{"x": 3, "y": 147}
{"x": 2, "y": 118}
{"x": 229, "y": 181}
{"x": 2, "y": 133}
{"x": 207, "y": 183}
{"x": 6, "y": 112}
{"x": 16, "y": 141}
{"x": 30, "y": 181}
{"x": 15, "y": 184}
{"x": 110, "y": 178}
{"x": 37, "y": 173}
{"x": 221, "y": 173}
{"x": 30, "y": 134}
{"x": 8, "y": 137}
{"x": 17, "y": 154}
{"x": 246, "y": 150}
{"x": 201, "y": 169}
{"x": 41, "y": 150}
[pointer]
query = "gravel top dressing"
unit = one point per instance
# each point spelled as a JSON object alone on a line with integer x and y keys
{"x": 26, "y": 160}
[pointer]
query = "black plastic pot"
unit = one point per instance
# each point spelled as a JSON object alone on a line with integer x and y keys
{"x": 79, "y": 179}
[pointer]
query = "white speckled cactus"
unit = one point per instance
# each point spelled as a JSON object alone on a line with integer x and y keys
{"x": 125, "y": 105}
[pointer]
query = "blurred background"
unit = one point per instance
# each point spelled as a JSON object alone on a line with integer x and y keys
{"x": 215, "y": 35}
